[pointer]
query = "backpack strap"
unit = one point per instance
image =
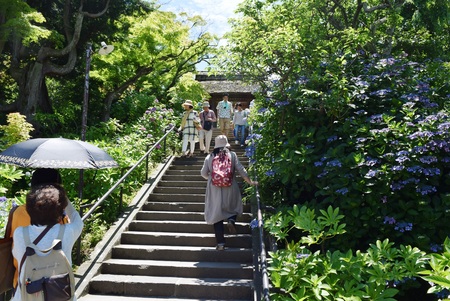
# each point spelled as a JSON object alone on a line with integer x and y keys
{"x": 26, "y": 236}
{"x": 61, "y": 231}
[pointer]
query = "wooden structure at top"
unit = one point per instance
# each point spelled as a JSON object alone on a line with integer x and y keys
{"x": 217, "y": 85}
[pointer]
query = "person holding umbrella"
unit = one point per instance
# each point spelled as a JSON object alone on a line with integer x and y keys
{"x": 20, "y": 217}
{"x": 45, "y": 204}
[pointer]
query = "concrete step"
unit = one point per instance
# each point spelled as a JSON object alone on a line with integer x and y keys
{"x": 143, "y": 286}
{"x": 168, "y": 215}
{"x": 177, "y": 172}
{"x": 176, "y": 268}
{"x": 180, "y": 226}
{"x": 180, "y": 190}
{"x": 182, "y": 216}
{"x": 183, "y": 177}
{"x": 201, "y": 183}
{"x": 129, "y": 298}
{"x": 191, "y": 178}
{"x": 184, "y": 239}
{"x": 177, "y": 197}
{"x": 183, "y": 167}
{"x": 174, "y": 206}
{"x": 185, "y": 253}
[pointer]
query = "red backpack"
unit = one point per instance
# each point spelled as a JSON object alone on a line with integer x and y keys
{"x": 222, "y": 170}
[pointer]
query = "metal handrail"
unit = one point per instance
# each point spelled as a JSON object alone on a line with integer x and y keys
{"x": 114, "y": 187}
{"x": 262, "y": 262}
{"x": 260, "y": 258}
{"x": 108, "y": 193}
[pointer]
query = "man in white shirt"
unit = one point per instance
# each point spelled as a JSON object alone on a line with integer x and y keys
{"x": 224, "y": 112}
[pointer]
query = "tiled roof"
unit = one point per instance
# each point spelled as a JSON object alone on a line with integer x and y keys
{"x": 228, "y": 86}
{"x": 220, "y": 84}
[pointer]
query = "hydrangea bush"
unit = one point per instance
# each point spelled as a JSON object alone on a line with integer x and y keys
{"x": 303, "y": 270}
{"x": 366, "y": 134}
{"x": 383, "y": 158}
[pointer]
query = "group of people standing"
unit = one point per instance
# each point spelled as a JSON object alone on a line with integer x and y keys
{"x": 199, "y": 126}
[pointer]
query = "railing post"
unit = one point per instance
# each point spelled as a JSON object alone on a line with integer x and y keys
{"x": 121, "y": 193}
{"x": 78, "y": 259}
{"x": 146, "y": 165}
{"x": 164, "y": 143}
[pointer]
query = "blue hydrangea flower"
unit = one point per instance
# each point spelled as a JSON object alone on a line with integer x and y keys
{"x": 342, "y": 191}
{"x": 389, "y": 220}
{"x": 254, "y": 223}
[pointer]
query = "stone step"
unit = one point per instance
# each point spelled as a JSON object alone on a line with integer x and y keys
{"x": 201, "y": 183}
{"x": 181, "y": 177}
{"x": 181, "y": 206}
{"x": 190, "y": 172}
{"x": 182, "y": 216}
{"x": 129, "y": 298}
{"x": 180, "y": 190}
{"x": 181, "y": 226}
{"x": 143, "y": 286}
{"x": 177, "y": 197}
{"x": 174, "y": 206}
{"x": 183, "y": 167}
{"x": 184, "y": 253}
{"x": 192, "y": 178}
{"x": 184, "y": 239}
{"x": 176, "y": 268}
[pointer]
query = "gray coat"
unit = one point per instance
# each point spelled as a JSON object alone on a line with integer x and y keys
{"x": 222, "y": 202}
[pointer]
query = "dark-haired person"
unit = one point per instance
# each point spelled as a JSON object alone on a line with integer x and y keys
{"x": 224, "y": 112}
{"x": 239, "y": 124}
{"x": 46, "y": 205}
{"x": 223, "y": 203}
{"x": 21, "y": 218}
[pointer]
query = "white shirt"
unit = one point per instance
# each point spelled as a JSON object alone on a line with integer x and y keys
{"x": 224, "y": 109}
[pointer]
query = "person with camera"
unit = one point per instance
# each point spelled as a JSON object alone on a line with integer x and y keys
{"x": 207, "y": 117}
{"x": 224, "y": 111}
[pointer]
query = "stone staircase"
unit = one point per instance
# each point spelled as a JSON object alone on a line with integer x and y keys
{"x": 168, "y": 251}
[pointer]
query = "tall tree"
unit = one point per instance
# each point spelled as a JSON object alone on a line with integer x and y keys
{"x": 153, "y": 53}
{"x": 31, "y": 63}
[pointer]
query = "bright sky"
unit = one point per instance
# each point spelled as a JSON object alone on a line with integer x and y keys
{"x": 215, "y": 12}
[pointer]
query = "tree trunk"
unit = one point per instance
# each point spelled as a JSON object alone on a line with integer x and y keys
{"x": 33, "y": 94}
{"x": 107, "y": 102}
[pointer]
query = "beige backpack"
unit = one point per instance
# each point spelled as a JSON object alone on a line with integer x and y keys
{"x": 49, "y": 277}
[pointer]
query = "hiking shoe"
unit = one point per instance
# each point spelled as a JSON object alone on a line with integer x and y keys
{"x": 236, "y": 142}
{"x": 220, "y": 247}
{"x": 231, "y": 226}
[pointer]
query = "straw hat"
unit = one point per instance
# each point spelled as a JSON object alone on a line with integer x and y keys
{"x": 187, "y": 102}
{"x": 221, "y": 141}
{"x": 205, "y": 104}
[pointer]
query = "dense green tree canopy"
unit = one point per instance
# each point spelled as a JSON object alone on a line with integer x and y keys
{"x": 44, "y": 60}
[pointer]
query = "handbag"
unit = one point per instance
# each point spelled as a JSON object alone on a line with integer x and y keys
{"x": 206, "y": 124}
{"x": 7, "y": 268}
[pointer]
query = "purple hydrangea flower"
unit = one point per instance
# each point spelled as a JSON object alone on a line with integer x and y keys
{"x": 389, "y": 220}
